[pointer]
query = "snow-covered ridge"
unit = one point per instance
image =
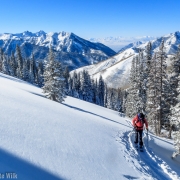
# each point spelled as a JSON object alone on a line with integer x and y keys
{"x": 116, "y": 69}
{"x": 71, "y": 49}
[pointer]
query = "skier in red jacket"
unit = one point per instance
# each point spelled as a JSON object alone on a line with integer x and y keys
{"x": 138, "y": 122}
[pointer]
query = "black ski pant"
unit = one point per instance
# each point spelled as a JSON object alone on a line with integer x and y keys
{"x": 138, "y": 133}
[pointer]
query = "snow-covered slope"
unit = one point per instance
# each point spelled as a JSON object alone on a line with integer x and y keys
{"x": 42, "y": 139}
{"x": 116, "y": 69}
{"x": 70, "y": 49}
{"x": 116, "y": 43}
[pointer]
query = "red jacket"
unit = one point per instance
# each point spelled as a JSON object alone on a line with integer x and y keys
{"x": 139, "y": 123}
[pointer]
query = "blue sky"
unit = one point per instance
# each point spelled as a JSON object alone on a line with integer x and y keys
{"x": 91, "y": 18}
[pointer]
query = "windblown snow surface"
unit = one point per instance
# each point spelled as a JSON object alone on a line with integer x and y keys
{"x": 41, "y": 139}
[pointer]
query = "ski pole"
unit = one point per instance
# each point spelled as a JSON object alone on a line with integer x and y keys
{"x": 147, "y": 137}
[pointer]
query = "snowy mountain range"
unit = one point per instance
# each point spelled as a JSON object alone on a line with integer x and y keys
{"x": 72, "y": 50}
{"x": 116, "y": 69}
{"x": 116, "y": 43}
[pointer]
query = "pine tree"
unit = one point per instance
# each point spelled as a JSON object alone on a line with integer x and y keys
{"x": 158, "y": 87}
{"x": 34, "y": 69}
{"x": 113, "y": 100}
{"x": 174, "y": 78}
{"x": 13, "y": 64}
{"x": 147, "y": 74}
{"x": 31, "y": 73}
{"x": 97, "y": 93}
{"x": 152, "y": 106}
{"x": 119, "y": 101}
{"x": 19, "y": 60}
{"x": 105, "y": 95}
{"x": 76, "y": 85}
{"x": 40, "y": 80}
{"x": 25, "y": 71}
{"x": 70, "y": 84}
{"x": 66, "y": 76}
{"x": 101, "y": 90}
{"x": 28, "y": 64}
{"x": 124, "y": 99}
{"x": 174, "y": 91}
{"x": 143, "y": 83}
{"x": 140, "y": 104}
{"x": 110, "y": 98}
{"x": 148, "y": 58}
{"x": 5, "y": 66}
{"x": 53, "y": 79}
{"x": 162, "y": 83}
{"x": 131, "y": 91}
{"x": 136, "y": 89}
{"x": 60, "y": 82}
{"x": 86, "y": 87}
{"x": 175, "y": 122}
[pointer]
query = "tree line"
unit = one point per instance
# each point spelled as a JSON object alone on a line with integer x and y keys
{"x": 56, "y": 81}
{"x": 26, "y": 69}
{"x": 155, "y": 91}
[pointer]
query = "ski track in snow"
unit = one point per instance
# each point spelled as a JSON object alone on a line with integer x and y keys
{"x": 150, "y": 165}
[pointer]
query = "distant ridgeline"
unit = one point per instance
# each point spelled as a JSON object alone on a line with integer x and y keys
{"x": 116, "y": 70}
{"x": 70, "y": 49}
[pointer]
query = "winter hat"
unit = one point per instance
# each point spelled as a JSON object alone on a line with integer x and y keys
{"x": 141, "y": 115}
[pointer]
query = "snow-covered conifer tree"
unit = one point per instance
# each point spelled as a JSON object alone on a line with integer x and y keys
{"x": 93, "y": 91}
{"x": 143, "y": 83}
{"x": 34, "y": 69}
{"x": 175, "y": 121}
{"x": 162, "y": 84}
{"x": 110, "y": 103}
{"x": 152, "y": 106}
{"x": 66, "y": 76}
{"x": 175, "y": 100}
{"x": 60, "y": 82}
{"x": 124, "y": 99}
{"x": 148, "y": 58}
{"x": 86, "y": 87}
{"x": 105, "y": 95}
{"x": 25, "y": 71}
{"x": 97, "y": 93}
{"x": 53, "y": 79}
{"x": 31, "y": 73}
{"x": 158, "y": 106}
{"x": 5, "y": 65}
{"x": 76, "y": 85}
{"x": 13, "y": 64}
{"x": 131, "y": 91}
{"x": 101, "y": 90}
{"x": 70, "y": 84}
{"x": 40, "y": 80}
{"x": 119, "y": 100}
{"x": 19, "y": 60}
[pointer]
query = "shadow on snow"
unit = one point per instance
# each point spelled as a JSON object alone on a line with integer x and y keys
{"x": 23, "y": 168}
{"x": 79, "y": 109}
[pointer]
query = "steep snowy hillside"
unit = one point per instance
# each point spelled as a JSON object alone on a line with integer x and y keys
{"x": 72, "y": 50}
{"x": 116, "y": 69}
{"x": 42, "y": 139}
{"x": 116, "y": 43}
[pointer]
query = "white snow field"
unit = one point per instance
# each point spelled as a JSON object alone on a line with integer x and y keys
{"x": 44, "y": 140}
